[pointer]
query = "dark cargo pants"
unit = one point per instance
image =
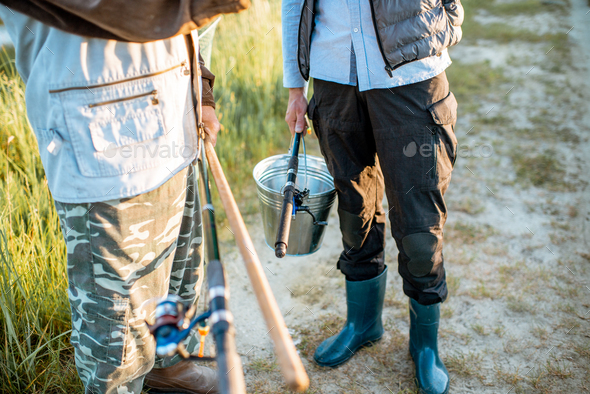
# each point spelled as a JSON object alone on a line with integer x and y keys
{"x": 401, "y": 140}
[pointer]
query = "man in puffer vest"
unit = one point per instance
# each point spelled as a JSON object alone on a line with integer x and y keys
{"x": 385, "y": 118}
{"x": 109, "y": 97}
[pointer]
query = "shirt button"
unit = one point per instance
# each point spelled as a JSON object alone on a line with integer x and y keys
{"x": 355, "y": 30}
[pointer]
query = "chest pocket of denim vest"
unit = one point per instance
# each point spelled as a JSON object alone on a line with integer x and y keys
{"x": 122, "y": 127}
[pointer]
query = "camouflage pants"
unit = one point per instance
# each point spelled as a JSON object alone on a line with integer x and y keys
{"x": 122, "y": 255}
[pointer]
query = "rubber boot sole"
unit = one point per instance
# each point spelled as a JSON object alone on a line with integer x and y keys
{"x": 361, "y": 346}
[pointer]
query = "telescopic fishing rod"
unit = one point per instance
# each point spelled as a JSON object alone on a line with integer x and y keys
{"x": 174, "y": 320}
{"x": 231, "y": 376}
{"x": 289, "y": 361}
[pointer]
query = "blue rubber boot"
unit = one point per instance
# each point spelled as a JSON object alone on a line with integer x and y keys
{"x": 364, "y": 300}
{"x": 431, "y": 374}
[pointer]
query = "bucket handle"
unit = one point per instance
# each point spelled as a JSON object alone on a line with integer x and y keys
{"x": 304, "y": 160}
{"x": 305, "y": 208}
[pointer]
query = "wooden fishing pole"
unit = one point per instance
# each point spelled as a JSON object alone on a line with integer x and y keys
{"x": 289, "y": 361}
{"x": 231, "y": 375}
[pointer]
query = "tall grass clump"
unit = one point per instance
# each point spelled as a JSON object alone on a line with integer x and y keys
{"x": 35, "y": 355}
{"x": 250, "y": 98}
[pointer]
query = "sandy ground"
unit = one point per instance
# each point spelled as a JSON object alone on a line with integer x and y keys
{"x": 516, "y": 246}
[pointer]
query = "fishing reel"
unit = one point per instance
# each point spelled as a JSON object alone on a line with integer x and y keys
{"x": 174, "y": 322}
{"x": 298, "y": 198}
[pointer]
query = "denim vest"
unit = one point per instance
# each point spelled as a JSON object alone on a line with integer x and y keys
{"x": 112, "y": 119}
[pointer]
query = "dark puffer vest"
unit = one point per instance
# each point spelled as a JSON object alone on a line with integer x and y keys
{"x": 407, "y": 30}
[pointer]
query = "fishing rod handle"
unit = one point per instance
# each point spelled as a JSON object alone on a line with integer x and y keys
{"x": 284, "y": 229}
{"x": 282, "y": 240}
{"x": 289, "y": 361}
{"x": 296, "y": 143}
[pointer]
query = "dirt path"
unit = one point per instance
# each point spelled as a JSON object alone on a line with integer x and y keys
{"x": 517, "y": 238}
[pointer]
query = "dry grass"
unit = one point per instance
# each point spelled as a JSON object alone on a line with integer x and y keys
{"x": 464, "y": 233}
{"x": 465, "y": 364}
{"x": 540, "y": 170}
{"x": 384, "y": 366}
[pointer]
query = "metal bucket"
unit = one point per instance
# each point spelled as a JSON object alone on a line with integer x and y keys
{"x": 270, "y": 176}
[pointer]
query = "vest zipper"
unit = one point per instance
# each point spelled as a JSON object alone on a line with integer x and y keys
{"x": 183, "y": 64}
{"x": 153, "y": 93}
{"x": 388, "y": 67}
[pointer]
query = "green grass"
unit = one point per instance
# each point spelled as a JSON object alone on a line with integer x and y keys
{"x": 548, "y": 128}
{"x": 464, "y": 364}
{"x": 462, "y": 233}
{"x": 263, "y": 364}
{"x": 505, "y": 32}
{"x": 250, "y": 98}
{"x": 35, "y": 355}
{"x": 473, "y": 80}
{"x": 517, "y": 304}
{"x": 510, "y": 8}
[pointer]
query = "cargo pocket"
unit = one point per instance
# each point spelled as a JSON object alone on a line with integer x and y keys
{"x": 100, "y": 329}
{"x": 314, "y": 117}
{"x": 444, "y": 141}
{"x": 124, "y": 126}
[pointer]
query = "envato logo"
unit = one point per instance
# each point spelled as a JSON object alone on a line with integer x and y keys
{"x": 463, "y": 151}
{"x": 163, "y": 151}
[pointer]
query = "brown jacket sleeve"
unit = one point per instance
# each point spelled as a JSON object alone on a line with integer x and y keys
{"x": 208, "y": 80}
{"x": 126, "y": 20}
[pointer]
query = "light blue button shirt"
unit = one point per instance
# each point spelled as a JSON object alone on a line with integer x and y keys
{"x": 344, "y": 48}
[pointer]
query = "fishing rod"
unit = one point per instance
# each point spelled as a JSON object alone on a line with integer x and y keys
{"x": 293, "y": 200}
{"x": 289, "y": 361}
{"x": 287, "y": 209}
{"x": 291, "y": 365}
{"x": 175, "y": 321}
{"x": 231, "y": 376}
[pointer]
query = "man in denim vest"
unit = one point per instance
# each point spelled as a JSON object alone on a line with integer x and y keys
{"x": 109, "y": 97}
{"x": 385, "y": 118}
